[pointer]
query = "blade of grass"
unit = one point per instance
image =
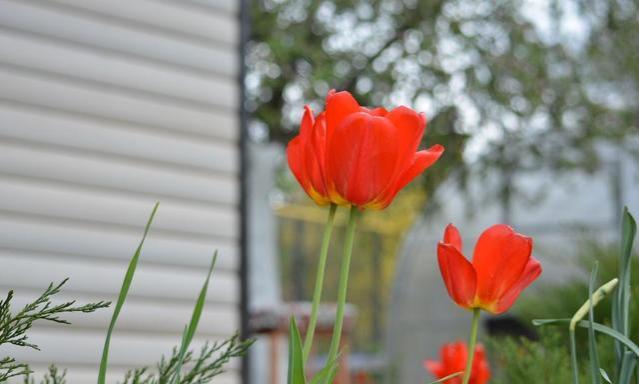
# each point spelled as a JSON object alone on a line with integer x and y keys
{"x": 295, "y": 355}
{"x": 124, "y": 291}
{"x": 327, "y": 374}
{"x": 598, "y": 327}
{"x": 627, "y": 368}
{"x": 629, "y": 229}
{"x": 621, "y": 305}
{"x": 195, "y": 319}
{"x": 604, "y": 374}
{"x": 592, "y": 341}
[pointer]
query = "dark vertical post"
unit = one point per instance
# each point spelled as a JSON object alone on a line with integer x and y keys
{"x": 244, "y": 284}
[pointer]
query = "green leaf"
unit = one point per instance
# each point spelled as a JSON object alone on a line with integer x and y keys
{"x": 627, "y": 367}
{"x": 592, "y": 341}
{"x": 124, "y": 291}
{"x": 189, "y": 332}
{"x": 295, "y": 355}
{"x": 621, "y": 305}
{"x": 604, "y": 374}
{"x": 451, "y": 376}
{"x": 327, "y": 374}
{"x": 598, "y": 327}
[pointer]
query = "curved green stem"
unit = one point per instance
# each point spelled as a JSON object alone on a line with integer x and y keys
{"x": 319, "y": 282}
{"x": 471, "y": 345}
{"x": 343, "y": 285}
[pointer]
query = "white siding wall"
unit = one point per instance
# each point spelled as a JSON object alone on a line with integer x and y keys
{"x": 105, "y": 107}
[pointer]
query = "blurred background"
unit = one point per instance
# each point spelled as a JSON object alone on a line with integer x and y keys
{"x": 107, "y": 106}
{"x": 536, "y": 102}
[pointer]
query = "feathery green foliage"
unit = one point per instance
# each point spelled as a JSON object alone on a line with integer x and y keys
{"x": 189, "y": 331}
{"x": 53, "y": 376}
{"x": 14, "y": 327}
{"x": 525, "y": 361}
{"x": 203, "y": 366}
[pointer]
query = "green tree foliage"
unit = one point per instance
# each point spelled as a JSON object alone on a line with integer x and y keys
{"x": 530, "y": 92}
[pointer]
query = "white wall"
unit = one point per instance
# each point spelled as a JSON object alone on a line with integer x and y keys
{"x": 105, "y": 107}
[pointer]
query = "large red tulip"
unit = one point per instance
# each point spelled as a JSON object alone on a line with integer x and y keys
{"x": 502, "y": 267}
{"x": 352, "y": 155}
{"x": 453, "y": 360}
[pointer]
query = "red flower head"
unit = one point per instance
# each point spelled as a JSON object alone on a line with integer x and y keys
{"x": 351, "y": 155}
{"x": 501, "y": 269}
{"x": 454, "y": 356}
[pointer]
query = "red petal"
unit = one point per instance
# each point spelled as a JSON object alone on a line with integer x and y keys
{"x": 458, "y": 274}
{"x": 454, "y": 357}
{"x": 481, "y": 369}
{"x": 410, "y": 127}
{"x": 421, "y": 161}
{"x": 452, "y": 237}
{"x": 339, "y": 105}
{"x": 360, "y": 158}
{"x": 531, "y": 273}
{"x": 305, "y": 160}
{"x": 435, "y": 368}
{"x": 294, "y": 155}
{"x": 308, "y": 120}
{"x": 499, "y": 260}
{"x": 317, "y": 148}
{"x": 379, "y": 111}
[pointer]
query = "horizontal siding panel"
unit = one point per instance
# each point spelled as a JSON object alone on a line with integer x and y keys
{"x": 127, "y": 349}
{"x": 45, "y": 126}
{"x": 138, "y": 314}
{"x": 25, "y": 236}
{"x": 20, "y": 195}
{"x": 99, "y": 32}
{"x": 231, "y": 6}
{"x": 105, "y": 277}
{"x": 87, "y": 374}
{"x": 166, "y": 16}
{"x": 107, "y": 106}
{"x": 76, "y": 61}
{"x": 30, "y": 88}
{"x": 92, "y": 170}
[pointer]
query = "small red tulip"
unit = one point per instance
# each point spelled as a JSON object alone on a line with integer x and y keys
{"x": 351, "y": 155}
{"x": 454, "y": 357}
{"x": 501, "y": 269}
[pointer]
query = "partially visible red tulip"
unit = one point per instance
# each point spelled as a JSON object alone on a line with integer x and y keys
{"x": 453, "y": 360}
{"x": 351, "y": 155}
{"x": 502, "y": 267}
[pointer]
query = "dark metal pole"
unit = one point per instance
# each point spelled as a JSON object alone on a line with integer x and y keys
{"x": 243, "y": 118}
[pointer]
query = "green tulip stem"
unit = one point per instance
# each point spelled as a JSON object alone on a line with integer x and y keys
{"x": 319, "y": 282}
{"x": 343, "y": 286}
{"x": 471, "y": 345}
